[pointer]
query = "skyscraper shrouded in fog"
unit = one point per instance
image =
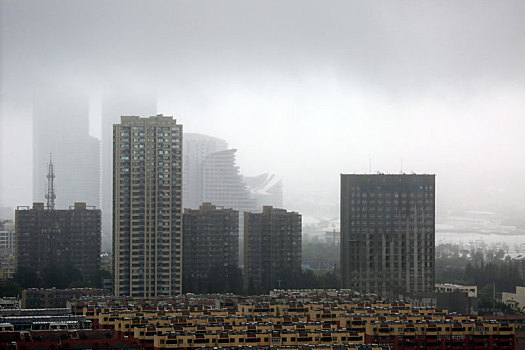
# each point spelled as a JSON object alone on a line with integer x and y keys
{"x": 223, "y": 185}
{"x": 147, "y": 214}
{"x": 388, "y": 233}
{"x": 61, "y": 128}
{"x": 196, "y": 148}
{"x": 212, "y": 175}
{"x": 266, "y": 189}
{"x": 113, "y": 106}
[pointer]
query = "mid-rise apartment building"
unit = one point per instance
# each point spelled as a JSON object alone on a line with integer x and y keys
{"x": 211, "y": 245}
{"x": 388, "y": 233}
{"x": 147, "y": 206}
{"x": 58, "y": 237}
{"x": 272, "y": 248}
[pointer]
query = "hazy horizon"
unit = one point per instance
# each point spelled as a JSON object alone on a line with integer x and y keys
{"x": 303, "y": 89}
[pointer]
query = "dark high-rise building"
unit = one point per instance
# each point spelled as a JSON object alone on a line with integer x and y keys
{"x": 61, "y": 128}
{"x": 211, "y": 246}
{"x": 272, "y": 248}
{"x": 388, "y": 233}
{"x": 48, "y": 238}
{"x": 147, "y": 212}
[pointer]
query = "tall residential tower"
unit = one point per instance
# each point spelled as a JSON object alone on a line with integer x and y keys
{"x": 113, "y": 106}
{"x": 388, "y": 233}
{"x": 147, "y": 212}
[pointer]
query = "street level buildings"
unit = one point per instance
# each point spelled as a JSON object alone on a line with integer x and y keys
{"x": 272, "y": 248}
{"x": 147, "y": 212}
{"x": 48, "y": 238}
{"x": 388, "y": 233}
{"x": 40, "y": 298}
{"x": 292, "y": 319}
{"x": 211, "y": 247}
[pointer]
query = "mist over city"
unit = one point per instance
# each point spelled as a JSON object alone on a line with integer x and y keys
{"x": 303, "y": 89}
{"x": 261, "y": 158}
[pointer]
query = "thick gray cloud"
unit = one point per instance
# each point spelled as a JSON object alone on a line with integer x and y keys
{"x": 384, "y": 42}
{"x": 307, "y": 89}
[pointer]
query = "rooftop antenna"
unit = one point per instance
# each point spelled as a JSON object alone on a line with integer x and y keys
{"x": 370, "y": 165}
{"x": 401, "y": 165}
{"x": 50, "y": 196}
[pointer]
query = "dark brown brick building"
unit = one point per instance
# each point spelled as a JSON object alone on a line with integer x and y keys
{"x": 211, "y": 245}
{"x": 388, "y": 233}
{"x": 272, "y": 248}
{"x": 48, "y": 237}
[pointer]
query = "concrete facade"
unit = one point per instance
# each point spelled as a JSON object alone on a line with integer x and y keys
{"x": 114, "y": 106}
{"x": 388, "y": 233}
{"x": 211, "y": 243}
{"x": 472, "y": 291}
{"x": 272, "y": 248}
{"x": 147, "y": 212}
{"x": 46, "y": 238}
{"x": 516, "y": 300}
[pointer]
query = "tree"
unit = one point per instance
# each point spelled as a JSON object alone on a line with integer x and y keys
{"x": 10, "y": 289}
{"x": 28, "y": 278}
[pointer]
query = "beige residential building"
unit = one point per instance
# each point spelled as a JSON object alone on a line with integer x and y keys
{"x": 147, "y": 206}
{"x": 515, "y": 300}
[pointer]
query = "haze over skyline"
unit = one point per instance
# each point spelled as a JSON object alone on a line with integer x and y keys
{"x": 303, "y": 89}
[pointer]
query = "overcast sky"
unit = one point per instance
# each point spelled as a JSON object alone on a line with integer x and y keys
{"x": 303, "y": 89}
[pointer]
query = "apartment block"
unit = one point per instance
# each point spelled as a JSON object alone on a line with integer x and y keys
{"x": 272, "y": 248}
{"x": 147, "y": 206}
{"x": 292, "y": 319}
{"x": 388, "y": 233}
{"x": 54, "y": 238}
{"x": 211, "y": 245}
